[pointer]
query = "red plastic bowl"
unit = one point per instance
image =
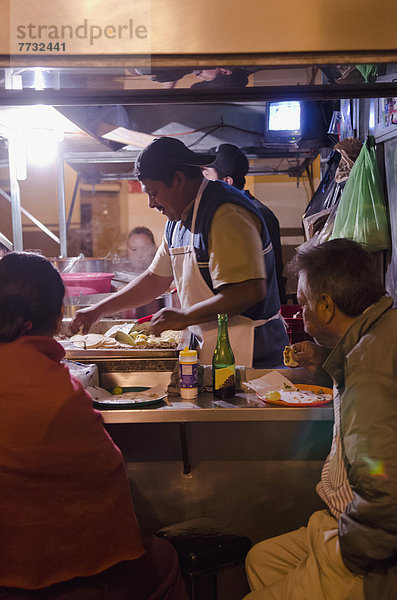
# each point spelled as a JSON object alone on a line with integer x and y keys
{"x": 99, "y": 282}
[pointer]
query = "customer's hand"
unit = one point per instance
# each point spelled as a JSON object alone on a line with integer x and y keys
{"x": 84, "y": 318}
{"x": 308, "y": 355}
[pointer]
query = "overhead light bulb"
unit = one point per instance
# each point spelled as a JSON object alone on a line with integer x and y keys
{"x": 38, "y": 79}
{"x": 42, "y": 146}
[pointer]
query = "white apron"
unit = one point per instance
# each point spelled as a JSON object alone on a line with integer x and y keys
{"x": 192, "y": 289}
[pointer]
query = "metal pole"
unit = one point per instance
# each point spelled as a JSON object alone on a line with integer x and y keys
{"x": 36, "y": 222}
{"x": 6, "y": 242}
{"x": 61, "y": 207}
{"x": 187, "y": 469}
{"x": 15, "y": 196}
{"x": 76, "y": 187}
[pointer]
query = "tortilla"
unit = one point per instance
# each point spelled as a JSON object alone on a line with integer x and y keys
{"x": 118, "y": 337}
{"x": 288, "y": 356}
{"x": 90, "y": 340}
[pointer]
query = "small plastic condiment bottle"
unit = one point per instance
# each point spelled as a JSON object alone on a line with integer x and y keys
{"x": 188, "y": 374}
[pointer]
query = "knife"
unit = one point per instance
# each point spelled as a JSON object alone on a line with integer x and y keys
{"x": 144, "y": 319}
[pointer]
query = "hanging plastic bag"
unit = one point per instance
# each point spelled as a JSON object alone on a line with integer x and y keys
{"x": 349, "y": 149}
{"x": 369, "y": 72}
{"x": 328, "y": 191}
{"x": 362, "y": 214}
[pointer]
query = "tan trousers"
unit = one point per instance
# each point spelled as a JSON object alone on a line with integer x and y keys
{"x": 305, "y": 564}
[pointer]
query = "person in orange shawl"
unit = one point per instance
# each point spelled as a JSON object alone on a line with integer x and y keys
{"x": 67, "y": 524}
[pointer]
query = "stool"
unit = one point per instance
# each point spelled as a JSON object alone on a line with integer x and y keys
{"x": 203, "y": 550}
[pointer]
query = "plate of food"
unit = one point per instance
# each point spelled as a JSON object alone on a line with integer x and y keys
{"x": 126, "y": 397}
{"x": 301, "y": 395}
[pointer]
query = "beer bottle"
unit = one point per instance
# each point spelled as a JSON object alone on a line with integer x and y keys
{"x": 223, "y": 365}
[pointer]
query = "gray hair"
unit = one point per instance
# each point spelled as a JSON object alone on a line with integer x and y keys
{"x": 343, "y": 269}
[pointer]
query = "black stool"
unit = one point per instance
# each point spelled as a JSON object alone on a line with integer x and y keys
{"x": 203, "y": 550}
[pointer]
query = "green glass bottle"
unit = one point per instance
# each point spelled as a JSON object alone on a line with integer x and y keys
{"x": 223, "y": 364}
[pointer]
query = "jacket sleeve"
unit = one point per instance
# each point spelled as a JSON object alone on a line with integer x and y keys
{"x": 368, "y": 527}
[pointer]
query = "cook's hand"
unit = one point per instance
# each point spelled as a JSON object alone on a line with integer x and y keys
{"x": 309, "y": 355}
{"x": 168, "y": 318}
{"x": 84, "y": 318}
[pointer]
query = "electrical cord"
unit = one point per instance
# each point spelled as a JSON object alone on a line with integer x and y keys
{"x": 221, "y": 125}
{"x": 192, "y": 131}
{"x": 205, "y": 135}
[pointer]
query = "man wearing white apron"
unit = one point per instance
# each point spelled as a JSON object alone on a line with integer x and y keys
{"x": 216, "y": 248}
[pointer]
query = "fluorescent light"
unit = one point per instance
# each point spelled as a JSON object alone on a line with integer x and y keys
{"x": 20, "y": 151}
{"x": 38, "y": 79}
{"x": 42, "y": 146}
{"x": 38, "y": 130}
{"x": 40, "y": 116}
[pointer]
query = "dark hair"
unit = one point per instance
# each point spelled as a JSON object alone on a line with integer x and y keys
{"x": 238, "y": 180}
{"x": 31, "y": 295}
{"x": 344, "y": 270}
{"x": 142, "y": 231}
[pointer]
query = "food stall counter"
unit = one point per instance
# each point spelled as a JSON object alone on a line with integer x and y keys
{"x": 207, "y": 408}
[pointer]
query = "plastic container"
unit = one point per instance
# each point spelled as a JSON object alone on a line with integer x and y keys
{"x": 188, "y": 382}
{"x": 100, "y": 282}
{"x": 81, "y": 264}
{"x": 76, "y": 290}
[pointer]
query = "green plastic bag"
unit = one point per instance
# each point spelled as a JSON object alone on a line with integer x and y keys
{"x": 369, "y": 72}
{"x": 362, "y": 215}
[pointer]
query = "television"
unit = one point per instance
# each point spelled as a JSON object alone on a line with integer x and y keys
{"x": 284, "y": 122}
{"x": 298, "y": 123}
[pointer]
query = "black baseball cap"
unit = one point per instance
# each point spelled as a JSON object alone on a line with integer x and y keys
{"x": 165, "y": 154}
{"x": 230, "y": 161}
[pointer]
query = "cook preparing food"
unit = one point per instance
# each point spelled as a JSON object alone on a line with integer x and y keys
{"x": 217, "y": 249}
